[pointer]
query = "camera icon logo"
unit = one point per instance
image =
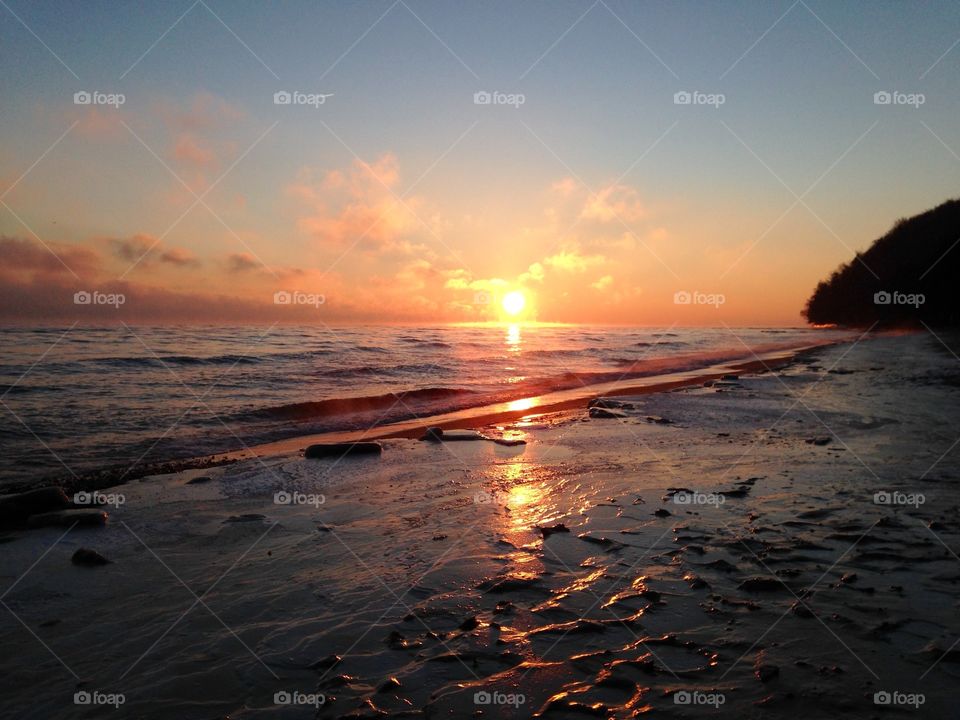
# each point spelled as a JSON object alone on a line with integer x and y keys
{"x": 282, "y": 98}
{"x": 82, "y": 498}
{"x": 881, "y": 298}
{"x": 282, "y": 297}
{"x": 882, "y": 698}
{"x": 282, "y": 698}
{"x": 82, "y": 298}
{"x": 682, "y": 697}
{"x": 82, "y": 98}
{"x": 882, "y": 97}
{"x": 682, "y": 98}
{"x": 682, "y": 297}
{"x": 282, "y": 498}
{"x": 882, "y": 498}
{"x": 482, "y": 97}
{"x": 482, "y": 698}
{"x": 482, "y": 297}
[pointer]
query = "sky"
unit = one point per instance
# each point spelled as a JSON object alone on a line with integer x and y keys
{"x": 637, "y": 162}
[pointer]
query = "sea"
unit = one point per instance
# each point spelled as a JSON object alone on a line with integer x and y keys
{"x": 79, "y": 399}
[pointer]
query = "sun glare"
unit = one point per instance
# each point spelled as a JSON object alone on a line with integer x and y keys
{"x": 513, "y": 302}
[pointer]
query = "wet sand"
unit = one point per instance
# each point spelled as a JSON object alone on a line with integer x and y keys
{"x": 718, "y": 549}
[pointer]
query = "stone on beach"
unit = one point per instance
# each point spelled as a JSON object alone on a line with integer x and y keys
{"x": 15, "y": 509}
{"x": 598, "y": 413}
{"x": 338, "y": 450}
{"x": 66, "y": 518}
{"x": 88, "y": 558}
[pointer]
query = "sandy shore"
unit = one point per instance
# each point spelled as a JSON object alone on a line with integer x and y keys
{"x": 566, "y": 577}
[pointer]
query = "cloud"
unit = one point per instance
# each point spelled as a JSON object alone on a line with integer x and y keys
{"x": 242, "y": 262}
{"x": 614, "y": 202}
{"x": 24, "y": 255}
{"x": 358, "y": 206}
{"x": 179, "y": 256}
{"x": 603, "y": 283}
{"x": 573, "y": 261}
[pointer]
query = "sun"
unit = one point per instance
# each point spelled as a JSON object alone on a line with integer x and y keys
{"x": 513, "y": 303}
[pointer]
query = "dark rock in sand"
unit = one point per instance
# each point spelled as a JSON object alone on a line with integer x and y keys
{"x": 509, "y": 583}
{"x": 609, "y": 404}
{"x": 471, "y": 623}
{"x": 245, "y": 518}
{"x": 338, "y": 450}
{"x": 326, "y": 663}
{"x": 762, "y": 584}
{"x": 441, "y": 536}
{"x": 658, "y": 420}
{"x": 504, "y": 606}
{"x": 801, "y": 610}
{"x": 548, "y": 531}
{"x": 820, "y": 440}
{"x": 200, "y": 480}
{"x": 391, "y": 684}
{"x": 66, "y": 518}
{"x": 728, "y": 378}
{"x": 433, "y": 434}
{"x": 599, "y": 413}
{"x": 15, "y": 509}
{"x": 662, "y": 513}
{"x": 88, "y": 558}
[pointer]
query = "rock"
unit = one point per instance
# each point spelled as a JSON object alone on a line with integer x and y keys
{"x": 729, "y": 378}
{"x": 508, "y": 442}
{"x": 66, "y": 518}
{"x": 433, "y": 434}
{"x": 819, "y": 440}
{"x": 761, "y": 584}
{"x": 88, "y": 558}
{"x": 609, "y": 404}
{"x": 662, "y": 513}
{"x": 326, "y": 663}
{"x": 199, "y": 480}
{"x": 471, "y": 623}
{"x": 438, "y": 537}
{"x": 245, "y": 518}
{"x": 764, "y": 670}
{"x": 658, "y": 420}
{"x": 15, "y": 509}
{"x": 391, "y": 684}
{"x": 339, "y": 450}
{"x": 599, "y": 413}
{"x": 548, "y": 531}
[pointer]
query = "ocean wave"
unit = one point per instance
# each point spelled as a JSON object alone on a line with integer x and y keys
{"x": 350, "y": 405}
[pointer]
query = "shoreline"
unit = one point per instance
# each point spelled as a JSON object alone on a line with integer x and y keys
{"x": 471, "y": 418}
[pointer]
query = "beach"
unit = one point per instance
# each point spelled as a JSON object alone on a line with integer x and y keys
{"x": 768, "y": 545}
